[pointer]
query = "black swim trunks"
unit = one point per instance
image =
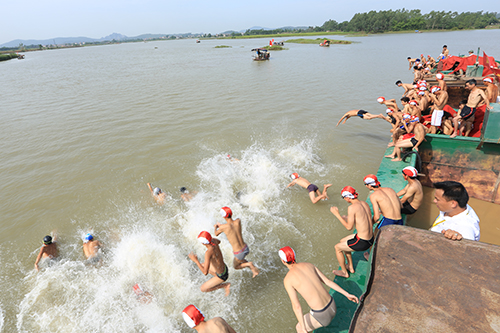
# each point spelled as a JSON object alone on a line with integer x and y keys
{"x": 407, "y": 209}
{"x": 467, "y": 112}
{"x": 312, "y": 188}
{"x": 393, "y": 120}
{"x": 413, "y": 141}
{"x": 361, "y": 113}
{"x": 224, "y": 275}
{"x": 358, "y": 244}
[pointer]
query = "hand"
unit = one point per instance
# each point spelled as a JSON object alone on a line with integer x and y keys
{"x": 415, "y": 148}
{"x": 334, "y": 210}
{"x": 216, "y": 226}
{"x": 352, "y": 298}
{"x": 192, "y": 256}
{"x": 451, "y": 234}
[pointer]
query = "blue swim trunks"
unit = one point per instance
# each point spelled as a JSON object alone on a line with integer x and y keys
{"x": 386, "y": 221}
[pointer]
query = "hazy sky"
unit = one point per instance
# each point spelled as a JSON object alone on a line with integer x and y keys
{"x": 44, "y": 19}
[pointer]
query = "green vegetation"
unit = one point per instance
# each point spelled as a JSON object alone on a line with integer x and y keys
{"x": 223, "y": 46}
{"x": 317, "y": 41}
{"x": 391, "y": 20}
{"x": 7, "y": 56}
{"x": 274, "y": 48}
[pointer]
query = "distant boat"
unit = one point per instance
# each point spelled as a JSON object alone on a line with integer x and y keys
{"x": 261, "y": 54}
{"x": 197, "y": 41}
{"x": 20, "y": 56}
{"x": 326, "y": 43}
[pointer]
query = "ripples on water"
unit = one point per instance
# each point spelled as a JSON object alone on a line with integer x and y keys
{"x": 85, "y": 129}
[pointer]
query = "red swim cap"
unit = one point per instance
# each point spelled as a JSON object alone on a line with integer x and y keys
{"x": 192, "y": 316}
{"x": 205, "y": 238}
{"x": 410, "y": 172}
{"x": 294, "y": 175}
{"x": 226, "y": 212}
{"x": 381, "y": 99}
{"x": 349, "y": 192}
{"x": 287, "y": 254}
{"x": 371, "y": 180}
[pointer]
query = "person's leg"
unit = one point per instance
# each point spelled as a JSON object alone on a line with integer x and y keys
{"x": 455, "y": 126}
{"x": 310, "y": 323}
{"x": 469, "y": 124}
{"x": 340, "y": 249}
{"x": 399, "y": 145}
{"x": 325, "y": 188}
{"x": 214, "y": 284}
{"x": 315, "y": 198}
{"x": 350, "y": 265}
{"x": 240, "y": 264}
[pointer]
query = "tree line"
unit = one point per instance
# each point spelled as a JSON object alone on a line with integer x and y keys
{"x": 398, "y": 20}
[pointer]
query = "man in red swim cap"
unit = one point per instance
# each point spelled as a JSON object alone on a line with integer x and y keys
{"x": 412, "y": 194}
{"x": 359, "y": 216}
{"x": 307, "y": 280}
{"x": 196, "y": 320}
{"x": 214, "y": 264}
{"x": 361, "y": 114}
{"x": 314, "y": 194}
{"x": 232, "y": 229}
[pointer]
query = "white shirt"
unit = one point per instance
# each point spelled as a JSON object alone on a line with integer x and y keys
{"x": 466, "y": 223}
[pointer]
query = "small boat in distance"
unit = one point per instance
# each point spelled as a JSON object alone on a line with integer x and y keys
{"x": 261, "y": 54}
{"x": 326, "y": 43}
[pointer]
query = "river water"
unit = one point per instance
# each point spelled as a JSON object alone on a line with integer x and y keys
{"x": 83, "y": 130}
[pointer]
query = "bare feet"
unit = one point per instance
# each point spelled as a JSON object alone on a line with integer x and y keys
{"x": 255, "y": 271}
{"x": 341, "y": 273}
{"x": 453, "y": 135}
{"x": 349, "y": 268}
{"x": 391, "y": 144}
{"x": 396, "y": 159}
{"x": 227, "y": 287}
{"x": 324, "y": 190}
{"x": 390, "y": 156}
{"x": 367, "y": 255}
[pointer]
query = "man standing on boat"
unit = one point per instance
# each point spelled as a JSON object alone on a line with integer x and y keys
{"x": 232, "y": 229}
{"x": 359, "y": 216}
{"x": 439, "y": 98}
{"x": 307, "y": 280}
{"x": 491, "y": 89}
{"x": 412, "y": 194}
{"x": 456, "y": 218}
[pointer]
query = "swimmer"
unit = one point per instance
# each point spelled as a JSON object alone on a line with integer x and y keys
{"x": 411, "y": 62}
{"x": 144, "y": 297}
{"x": 307, "y": 280}
{"x": 359, "y": 216}
{"x": 313, "y": 189}
{"x": 214, "y": 264}
{"x": 232, "y": 229}
{"x": 186, "y": 195}
{"x": 412, "y": 194}
{"x": 407, "y": 87}
{"x": 91, "y": 249}
{"x": 360, "y": 113}
{"x": 390, "y": 103}
{"x": 158, "y": 194}
{"x": 232, "y": 159}
{"x": 48, "y": 250}
{"x": 196, "y": 320}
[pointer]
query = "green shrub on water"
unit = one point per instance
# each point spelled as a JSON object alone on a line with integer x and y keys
{"x": 317, "y": 41}
{"x": 223, "y": 46}
{"x": 7, "y": 56}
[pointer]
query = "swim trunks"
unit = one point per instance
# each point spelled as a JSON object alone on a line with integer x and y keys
{"x": 358, "y": 244}
{"x": 361, "y": 113}
{"x": 467, "y": 112}
{"x": 324, "y": 316}
{"x": 393, "y": 120}
{"x": 241, "y": 254}
{"x": 437, "y": 117}
{"x": 386, "y": 221}
{"x": 312, "y": 188}
{"x": 407, "y": 136}
{"x": 413, "y": 141}
{"x": 407, "y": 208}
{"x": 224, "y": 275}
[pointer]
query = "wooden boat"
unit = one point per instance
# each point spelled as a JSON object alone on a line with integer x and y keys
{"x": 326, "y": 43}
{"x": 261, "y": 54}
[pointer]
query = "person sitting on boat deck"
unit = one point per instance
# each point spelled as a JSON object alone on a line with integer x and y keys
{"x": 405, "y": 101}
{"x": 431, "y": 61}
{"x": 307, "y": 280}
{"x": 412, "y": 194}
{"x": 394, "y": 118}
{"x": 196, "y": 320}
{"x": 384, "y": 201}
{"x": 390, "y": 103}
{"x": 214, "y": 264}
{"x": 158, "y": 194}
{"x": 456, "y": 218}
{"x": 402, "y": 129}
{"x": 186, "y": 195}
{"x": 48, "y": 250}
{"x": 444, "y": 54}
{"x": 476, "y": 95}
{"x": 232, "y": 229}
{"x": 471, "y": 53}
{"x": 415, "y": 108}
{"x": 91, "y": 249}
{"x": 314, "y": 194}
{"x": 418, "y": 73}
{"x": 407, "y": 87}
{"x": 359, "y": 216}
{"x": 439, "y": 98}
{"x": 441, "y": 82}
{"x": 361, "y": 114}
{"x": 491, "y": 90}
{"x": 412, "y": 139}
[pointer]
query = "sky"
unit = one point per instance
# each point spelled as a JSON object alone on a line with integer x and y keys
{"x": 45, "y": 19}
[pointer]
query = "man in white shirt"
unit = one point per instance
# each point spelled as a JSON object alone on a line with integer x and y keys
{"x": 456, "y": 219}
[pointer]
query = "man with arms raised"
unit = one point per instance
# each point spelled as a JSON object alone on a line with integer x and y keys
{"x": 214, "y": 264}
{"x": 313, "y": 189}
{"x": 232, "y": 229}
{"x": 439, "y": 98}
{"x": 307, "y": 280}
{"x": 158, "y": 194}
{"x": 456, "y": 218}
{"x": 196, "y": 320}
{"x": 48, "y": 250}
{"x": 412, "y": 194}
{"x": 359, "y": 216}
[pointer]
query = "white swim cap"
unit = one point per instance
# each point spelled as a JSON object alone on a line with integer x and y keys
{"x": 156, "y": 191}
{"x": 410, "y": 172}
{"x": 349, "y": 192}
{"x": 287, "y": 254}
{"x": 381, "y": 99}
{"x": 192, "y": 316}
{"x": 488, "y": 79}
{"x": 439, "y": 76}
{"x": 371, "y": 180}
{"x": 205, "y": 238}
{"x": 435, "y": 89}
{"x": 389, "y": 110}
{"x": 226, "y": 212}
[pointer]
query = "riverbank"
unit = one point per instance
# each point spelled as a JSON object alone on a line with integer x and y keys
{"x": 8, "y": 56}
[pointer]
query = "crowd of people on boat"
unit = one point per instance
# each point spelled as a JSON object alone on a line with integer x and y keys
{"x": 457, "y": 220}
